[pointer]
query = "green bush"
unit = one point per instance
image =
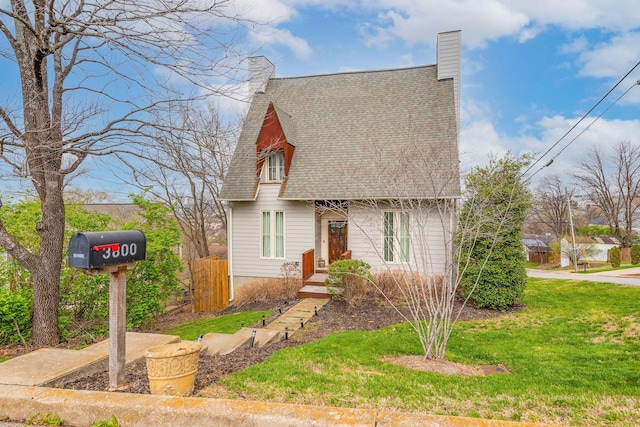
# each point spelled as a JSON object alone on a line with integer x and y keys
{"x": 15, "y": 316}
{"x": 614, "y": 256}
{"x": 501, "y": 282}
{"x": 635, "y": 254}
{"x": 490, "y": 233}
{"x": 351, "y": 276}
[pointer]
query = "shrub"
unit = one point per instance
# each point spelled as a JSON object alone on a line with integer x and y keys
{"x": 614, "y": 256}
{"x": 15, "y": 317}
{"x": 352, "y": 277}
{"x": 635, "y": 254}
{"x": 500, "y": 283}
{"x": 264, "y": 290}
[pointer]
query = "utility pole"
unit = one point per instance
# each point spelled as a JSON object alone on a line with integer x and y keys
{"x": 573, "y": 233}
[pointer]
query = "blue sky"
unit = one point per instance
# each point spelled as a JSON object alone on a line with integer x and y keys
{"x": 530, "y": 69}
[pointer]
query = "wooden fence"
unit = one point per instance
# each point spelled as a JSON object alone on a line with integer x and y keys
{"x": 210, "y": 284}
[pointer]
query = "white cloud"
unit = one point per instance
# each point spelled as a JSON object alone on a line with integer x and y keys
{"x": 274, "y": 36}
{"x": 269, "y": 12}
{"x": 415, "y": 21}
{"x": 578, "y": 45}
{"x": 611, "y": 59}
{"x": 621, "y": 15}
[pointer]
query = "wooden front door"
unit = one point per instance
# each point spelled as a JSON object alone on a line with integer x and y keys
{"x": 337, "y": 239}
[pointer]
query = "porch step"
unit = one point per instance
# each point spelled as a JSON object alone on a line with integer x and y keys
{"x": 315, "y": 291}
{"x": 317, "y": 279}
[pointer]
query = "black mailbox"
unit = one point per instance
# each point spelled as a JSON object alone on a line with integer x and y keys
{"x": 100, "y": 249}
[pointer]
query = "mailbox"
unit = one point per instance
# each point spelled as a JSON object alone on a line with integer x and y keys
{"x": 101, "y": 249}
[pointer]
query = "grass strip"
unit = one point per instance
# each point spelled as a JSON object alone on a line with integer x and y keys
{"x": 226, "y": 324}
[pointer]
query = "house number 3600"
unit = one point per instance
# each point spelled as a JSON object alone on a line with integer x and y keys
{"x": 122, "y": 250}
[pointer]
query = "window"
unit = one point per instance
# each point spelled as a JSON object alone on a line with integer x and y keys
{"x": 275, "y": 167}
{"x": 396, "y": 237}
{"x": 272, "y": 234}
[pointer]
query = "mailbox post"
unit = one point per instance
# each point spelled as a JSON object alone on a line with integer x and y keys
{"x": 111, "y": 253}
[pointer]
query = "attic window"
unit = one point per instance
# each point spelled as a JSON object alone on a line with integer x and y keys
{"x": 275, "y": 167}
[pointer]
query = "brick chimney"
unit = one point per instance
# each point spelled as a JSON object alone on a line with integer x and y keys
{"x": 448, "y": 62}
{"x": 260, "y": 71}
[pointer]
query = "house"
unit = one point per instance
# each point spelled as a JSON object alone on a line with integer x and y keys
{"x": 587, "y": 248}
{"x": 334, "y": 165}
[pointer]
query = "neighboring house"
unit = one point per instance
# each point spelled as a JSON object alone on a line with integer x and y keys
{"x": 323, "y": 160}
{"x": 588, "y": 248}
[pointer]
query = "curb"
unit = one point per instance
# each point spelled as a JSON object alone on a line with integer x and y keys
{"x": 83, "y": 408}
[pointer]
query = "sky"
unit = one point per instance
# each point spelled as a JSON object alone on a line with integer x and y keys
{"x": 530, "y": 69}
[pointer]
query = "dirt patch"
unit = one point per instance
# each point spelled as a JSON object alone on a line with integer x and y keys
{"x": 419, "y": 363}
{"x": 335, "y": 316}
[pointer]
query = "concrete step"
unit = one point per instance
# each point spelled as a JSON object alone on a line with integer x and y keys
{"x": 221, "y": 344}
{"x": 263, "y": 337}
{"x": 54, "y": 367}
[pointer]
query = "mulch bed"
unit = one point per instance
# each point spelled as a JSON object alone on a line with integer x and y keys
{"x": 335, "y": 316}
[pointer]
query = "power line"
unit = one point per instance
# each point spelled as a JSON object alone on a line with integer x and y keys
{"x": 585, "y": 129}
{"x": 580, "y": 121}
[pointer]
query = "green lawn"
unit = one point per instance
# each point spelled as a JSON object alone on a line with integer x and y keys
{"x": 227, "y": 324}
{"x": 573, "y": 356}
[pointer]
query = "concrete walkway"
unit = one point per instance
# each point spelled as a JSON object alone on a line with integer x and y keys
{"x": 287, "y": 323}
{"x": 53, "y": 367}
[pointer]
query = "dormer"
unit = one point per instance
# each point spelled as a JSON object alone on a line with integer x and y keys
{"x": 275, "y": 146}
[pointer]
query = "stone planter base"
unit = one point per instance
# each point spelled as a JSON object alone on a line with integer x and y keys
{"x": 172, "y": 368}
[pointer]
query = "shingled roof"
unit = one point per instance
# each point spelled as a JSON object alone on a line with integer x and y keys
{"x": 360, "y": 135}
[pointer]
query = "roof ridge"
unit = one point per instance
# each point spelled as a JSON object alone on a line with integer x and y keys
{"x": 386, "y": 70}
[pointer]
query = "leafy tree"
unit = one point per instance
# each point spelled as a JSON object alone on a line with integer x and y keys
{"x": 15, "y": 316}
{"x": 154, "y": 280}
{"x": 81, "y": 294}
{"x": 495, "y": 276}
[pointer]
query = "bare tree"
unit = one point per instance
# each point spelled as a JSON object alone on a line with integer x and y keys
{"x": 613, "y": 184}
{"x": 425, "y": 245}
{"x": 550, "y": 209}
{"x": 186, "y": 167}
{"x": 86, "y": 74}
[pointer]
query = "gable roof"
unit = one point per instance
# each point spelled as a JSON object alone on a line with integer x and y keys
{"x": 360, "y": 135}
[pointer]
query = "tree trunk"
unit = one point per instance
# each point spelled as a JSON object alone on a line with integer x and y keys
{"x": 46, "y": 276}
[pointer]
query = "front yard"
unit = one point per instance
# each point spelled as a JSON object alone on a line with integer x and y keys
{"x": 573, "y": 356}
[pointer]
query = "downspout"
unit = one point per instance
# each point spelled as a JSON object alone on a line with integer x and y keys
{"x": 230, "y": 251}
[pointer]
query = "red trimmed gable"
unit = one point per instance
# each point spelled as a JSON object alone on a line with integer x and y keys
{"x": 272, "y": 138}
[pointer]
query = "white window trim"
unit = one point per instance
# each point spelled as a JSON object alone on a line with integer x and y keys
{"x": 272, "y": 234}
{"x": 396, "y": 251}
{"x": 279, "y": 159}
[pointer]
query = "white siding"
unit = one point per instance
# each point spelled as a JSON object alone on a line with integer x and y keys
{"x": 448, "y": 61}
{"x": 299, "y": 221}
{"x": 427, "y": 240}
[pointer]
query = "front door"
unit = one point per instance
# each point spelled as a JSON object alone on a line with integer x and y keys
{"x": 337, "y": 239}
